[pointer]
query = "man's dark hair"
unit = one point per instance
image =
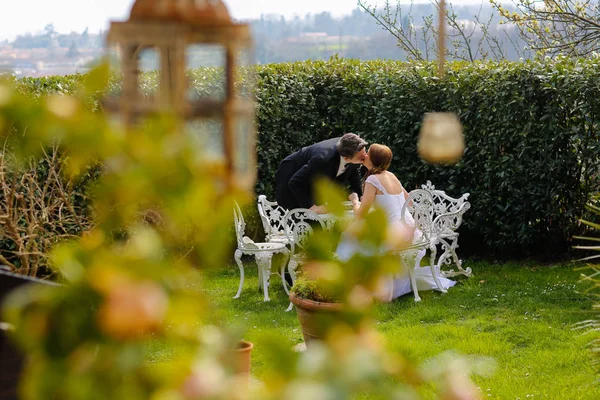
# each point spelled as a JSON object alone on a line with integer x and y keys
{"x": 350, "y": 144}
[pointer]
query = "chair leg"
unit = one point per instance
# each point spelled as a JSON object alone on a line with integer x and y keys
{"x": 238, "y": 260}
{"x": 292, "y": 265}
{"x": 284, "y": 263}
{"x": 467, "y": 271}
{"x": 408, "y": 260}
{"x": 264, "y": 265}
{"x": 434, "y": 274}
{"x": 443, "y": 259}
{"x": 419, "y": 258}
{"x": 260, "y": 279}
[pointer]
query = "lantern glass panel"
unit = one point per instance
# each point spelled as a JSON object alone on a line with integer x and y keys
{"x": 243, "y": 142}
{"x": 207, "y": 134}
{"x": 148, "y": 61}
{"x": 205, "y": 66}
{"x": 113, "y": 57}
{"x": 245, "y": 74}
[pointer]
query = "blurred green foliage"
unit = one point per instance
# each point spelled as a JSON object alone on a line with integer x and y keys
{"x": 131, "y": 278}
{"x": 590, "y": 246}
{"x": 157, "y": 217}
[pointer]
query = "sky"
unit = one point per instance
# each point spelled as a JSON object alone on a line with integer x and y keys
{"x": 20, "y": 16}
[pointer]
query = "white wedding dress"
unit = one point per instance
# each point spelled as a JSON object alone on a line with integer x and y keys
{"x": 396, "y": 285}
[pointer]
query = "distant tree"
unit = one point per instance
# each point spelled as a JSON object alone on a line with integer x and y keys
{"x": 553, "y": 27}
{"x": 29, "y": 41}
{"x": 85, "y": 37}
{"x": 49, "y": 29}
{"x": 323, "y": 22}
{"x": 100, "y": 38}
{"x": 73, "y": 51}
{"x": 359, "y": 23}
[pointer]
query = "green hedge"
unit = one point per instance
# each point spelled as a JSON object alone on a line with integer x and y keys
{"x": 531, "y": 131}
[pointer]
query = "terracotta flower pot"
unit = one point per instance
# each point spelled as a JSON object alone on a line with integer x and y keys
{"x": 242, "y": 357}
{"x": 315, "y": 317}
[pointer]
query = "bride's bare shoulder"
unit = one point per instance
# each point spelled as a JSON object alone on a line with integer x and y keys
{"x": 392, "y": 176}
{"x": 393, "y": 181}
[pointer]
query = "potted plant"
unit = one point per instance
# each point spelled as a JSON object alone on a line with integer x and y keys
{"x": 316, "y": 308}
{"x": 333, "y": 293}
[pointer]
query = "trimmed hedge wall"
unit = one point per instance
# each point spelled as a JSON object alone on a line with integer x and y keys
{"x": 531, "y": 131}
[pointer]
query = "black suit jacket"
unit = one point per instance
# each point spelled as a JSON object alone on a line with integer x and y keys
{"x": 296, "y": 175}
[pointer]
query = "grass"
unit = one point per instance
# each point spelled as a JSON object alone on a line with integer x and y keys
{"x": 521, "y": 315}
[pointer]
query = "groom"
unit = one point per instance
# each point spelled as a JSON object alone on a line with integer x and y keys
{"x": 338, "y": 159}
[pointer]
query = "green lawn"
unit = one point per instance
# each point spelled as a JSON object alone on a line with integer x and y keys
{"x": 519, "y": 314}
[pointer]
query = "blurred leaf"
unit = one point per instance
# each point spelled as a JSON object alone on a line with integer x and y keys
{"x": 97, "y": 78}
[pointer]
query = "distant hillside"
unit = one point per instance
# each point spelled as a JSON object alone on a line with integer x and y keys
{"x": 358, "y": 35}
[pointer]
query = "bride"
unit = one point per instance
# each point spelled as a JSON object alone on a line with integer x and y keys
{"x": 383, "y": 190}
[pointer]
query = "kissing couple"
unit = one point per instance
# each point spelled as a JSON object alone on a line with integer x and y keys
{"x": 340, "y": 160}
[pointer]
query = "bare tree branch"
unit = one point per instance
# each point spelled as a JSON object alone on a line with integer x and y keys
{"x": 469, "y": 37}
{"x": 388, "y": 20}
{"x": 556, "y": 27}
{"x": 37, "y": 211}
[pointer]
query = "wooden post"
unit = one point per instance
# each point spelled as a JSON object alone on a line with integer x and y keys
{"x": 228, "y": 120}
{"x": 442, "y": 38}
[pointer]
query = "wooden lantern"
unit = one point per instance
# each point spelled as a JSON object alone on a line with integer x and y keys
{"x": 173, "y": 40}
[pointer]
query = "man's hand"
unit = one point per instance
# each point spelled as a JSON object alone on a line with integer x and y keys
{"x": 353, "y": 198}
{"x": 319, "y": 209}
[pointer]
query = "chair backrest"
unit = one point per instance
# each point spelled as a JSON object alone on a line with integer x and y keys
{"x": 419, "y": 205}
{"x": 435, "y": 213}
{"x": 272, "y": 217}
{"x": 445, "y": 204}
{"x": 240, "y": 225}
{"x": 448, "y": 223}
{"x": 298, "y": 224}
{"x": 448, "y": 210}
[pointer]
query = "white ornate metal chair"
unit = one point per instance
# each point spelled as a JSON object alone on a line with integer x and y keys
{"x": 438, "y": 217}
{"x": 271, "y": 216}
{"x": 262, "y": 252}
{"x": 448, "y": 213}
{"x": 299, "y": 225}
